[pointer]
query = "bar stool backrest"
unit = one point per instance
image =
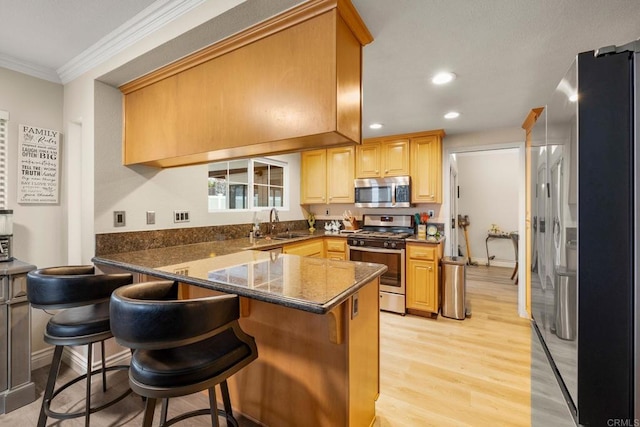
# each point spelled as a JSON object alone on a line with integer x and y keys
{"x": 149, "y": 316}
{"x": 71, "y": 286}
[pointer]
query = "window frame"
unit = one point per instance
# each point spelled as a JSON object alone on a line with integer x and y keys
{"x": 251, "y": 185}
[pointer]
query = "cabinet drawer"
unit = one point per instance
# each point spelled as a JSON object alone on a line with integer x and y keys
{"x": 421, "y": 252}
{"x": 18, "y": 287}
{"x": 335, "y": 245}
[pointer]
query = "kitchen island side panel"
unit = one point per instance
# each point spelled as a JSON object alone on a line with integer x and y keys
{"x": 312, "y": 370}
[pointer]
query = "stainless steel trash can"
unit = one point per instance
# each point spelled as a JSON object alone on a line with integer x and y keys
{"x": 454, "y": 284}
{"x": 566, "y": 301}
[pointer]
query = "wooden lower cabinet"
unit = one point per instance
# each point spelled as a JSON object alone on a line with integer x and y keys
{"x": 423, "y": 279}
{"x": 310, "y": 248}
{"x": 335, "y": 248}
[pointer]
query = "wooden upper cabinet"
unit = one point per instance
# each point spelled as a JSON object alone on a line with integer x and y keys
{"x": 289, "y": 84}
{"x": 327, "y": 176}
{"x": 340, "y": 175}
{"x": 313, "y": 177}
{"x": 368, "y": 160}
{"x": 151, "y": 115}
{"x": 380, "y": 158}
{"x": 395, "y": 158}
{"x": 426, "y": 169}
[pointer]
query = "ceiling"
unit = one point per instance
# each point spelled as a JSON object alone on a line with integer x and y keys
{"x": 508, "y": 55}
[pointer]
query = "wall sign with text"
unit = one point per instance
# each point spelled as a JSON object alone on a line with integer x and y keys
{"x": 38, "y": 175}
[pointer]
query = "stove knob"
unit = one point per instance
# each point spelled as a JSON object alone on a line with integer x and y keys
{"x": 386, "y": 244}
{"x": 361, "y": 242}
{"x": 393, "y": 245}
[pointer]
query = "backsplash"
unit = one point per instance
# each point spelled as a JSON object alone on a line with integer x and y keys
{"x": 110, "y": 243}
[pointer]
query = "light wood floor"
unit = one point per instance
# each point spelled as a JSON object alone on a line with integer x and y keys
{"x": 434, "y": 372}
{"x": 445, "y": 372}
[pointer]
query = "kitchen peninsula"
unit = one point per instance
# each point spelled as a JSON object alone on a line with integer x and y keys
{"x": 315, "y": 321}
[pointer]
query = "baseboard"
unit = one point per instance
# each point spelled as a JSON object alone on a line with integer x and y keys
{"x": 41, "y": 358}
{"x": 494, "y": 263}
{"x": 76, "y": 361}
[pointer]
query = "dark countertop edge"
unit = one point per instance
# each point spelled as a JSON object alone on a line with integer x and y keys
{"x": 246, "y": 292}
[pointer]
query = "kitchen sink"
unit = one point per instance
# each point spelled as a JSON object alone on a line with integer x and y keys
{"x": 289, "y": 235}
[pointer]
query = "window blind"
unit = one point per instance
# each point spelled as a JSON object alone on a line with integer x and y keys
{"x": 4, "y": 118}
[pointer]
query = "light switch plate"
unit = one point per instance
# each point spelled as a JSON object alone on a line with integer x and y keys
{"x": 181, "y": 216}
{"x": 151, "y": 217}
{"x": 119, "y": 219}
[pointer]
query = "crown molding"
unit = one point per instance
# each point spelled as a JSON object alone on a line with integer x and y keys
{"x": 141, "y": 25}
{"x": 33, "y": 70}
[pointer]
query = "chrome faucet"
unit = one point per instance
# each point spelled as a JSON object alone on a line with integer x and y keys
{"x": 272, "y": 221}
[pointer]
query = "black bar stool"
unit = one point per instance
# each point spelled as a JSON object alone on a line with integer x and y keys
{"x": 180, "y": 346}
{"x": 84, "y": 299}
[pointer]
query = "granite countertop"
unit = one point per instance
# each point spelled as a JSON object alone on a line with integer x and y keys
{"x": 429, "y": 239}
{"x": 236, "y": 266}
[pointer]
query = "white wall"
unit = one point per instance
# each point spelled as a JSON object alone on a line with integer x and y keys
{"x": 39, "y": 230}
{"x": 489, "y": 186}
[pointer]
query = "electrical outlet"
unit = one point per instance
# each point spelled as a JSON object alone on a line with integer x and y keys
{"x": 181, "y": 216}
{"x": 431, "y": 213}
{"x": 119, "y": 219}
{"x": 151, "y": 217}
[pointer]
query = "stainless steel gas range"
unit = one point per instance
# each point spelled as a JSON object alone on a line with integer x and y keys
{"x": 382, "y": 241}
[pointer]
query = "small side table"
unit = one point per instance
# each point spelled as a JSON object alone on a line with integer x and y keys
{"x": 514, "y": 239}
{"x": 16, "y": 387}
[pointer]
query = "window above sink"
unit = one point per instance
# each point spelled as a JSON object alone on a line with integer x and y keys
{"x": 248, "y": 184}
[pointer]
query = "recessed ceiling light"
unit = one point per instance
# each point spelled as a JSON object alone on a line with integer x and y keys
{"x": 375, "y": 126}
{"x": 573, "y": 97}
{"x": 451, "y": 115}
{"x": 442, "y": 78}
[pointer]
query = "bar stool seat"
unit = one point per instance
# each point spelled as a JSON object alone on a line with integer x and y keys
{"x": 180, "y": 346}
{"x": 83, "y": 321}
{"x": 83, "y": 298}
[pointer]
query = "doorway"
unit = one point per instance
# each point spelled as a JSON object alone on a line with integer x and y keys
{"x": 488, "y": 184}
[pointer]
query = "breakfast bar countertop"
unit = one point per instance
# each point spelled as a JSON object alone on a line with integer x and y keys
{"x": 315, "y": 285}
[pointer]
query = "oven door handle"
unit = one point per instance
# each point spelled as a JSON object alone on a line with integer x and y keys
{"x": 380, "y": 250}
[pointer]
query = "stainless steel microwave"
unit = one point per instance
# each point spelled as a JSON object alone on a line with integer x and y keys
{"x": 391, "y": 192}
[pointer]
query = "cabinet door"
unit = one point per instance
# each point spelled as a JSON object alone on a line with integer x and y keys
{"x": 335, "y": 249}
{"x": 368, "y": 160}
{"x": 422, "y": 285}
{"x": 150, "y": 125}
{"x": 426, "y": 169}
{"x": 313, "y": 169}
{"x": 340, "y": 174}
{"x": 395, "y": 158}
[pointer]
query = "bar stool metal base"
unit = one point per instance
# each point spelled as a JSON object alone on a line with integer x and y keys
{"x": 51, "y": 392}
{"x": 212, "y": 411}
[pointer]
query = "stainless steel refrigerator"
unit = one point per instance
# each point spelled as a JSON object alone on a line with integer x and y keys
{"x": 584, "y": 247}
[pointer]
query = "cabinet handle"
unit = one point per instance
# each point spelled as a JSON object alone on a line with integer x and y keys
{"x": 386, "y": 171}
{"x": 430, "y": 268}
{"x": 376, "y": 170}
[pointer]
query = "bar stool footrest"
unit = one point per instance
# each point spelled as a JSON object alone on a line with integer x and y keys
{"x": 66, "y": 416}
{"x": 231, "y": 421}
